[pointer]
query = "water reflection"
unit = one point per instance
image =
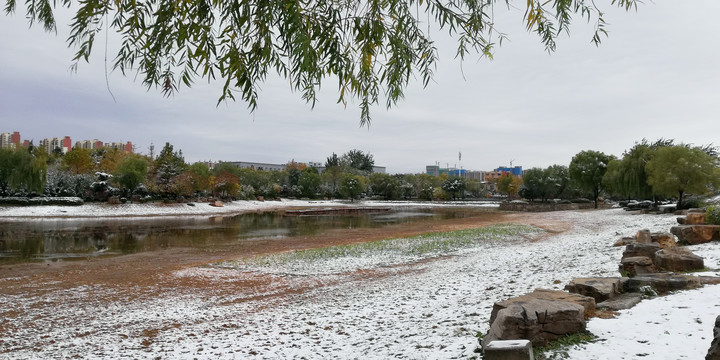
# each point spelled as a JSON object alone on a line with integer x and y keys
{"x": 67, "y": 239}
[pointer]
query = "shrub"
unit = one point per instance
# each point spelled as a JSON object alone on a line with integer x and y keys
{"x": 712, "y": 215}
{"x": 692, "y": 202}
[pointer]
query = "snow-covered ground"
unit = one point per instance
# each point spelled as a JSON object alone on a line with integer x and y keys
{"x": 159, "y": 209}
{"x": 426, "y": 310}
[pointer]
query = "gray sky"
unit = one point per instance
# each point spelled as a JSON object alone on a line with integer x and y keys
{"x": 656, "y": 75}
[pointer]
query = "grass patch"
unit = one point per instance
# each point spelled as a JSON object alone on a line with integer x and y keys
{"x": 393, "y": 250}
{"x": 558, "y": 349}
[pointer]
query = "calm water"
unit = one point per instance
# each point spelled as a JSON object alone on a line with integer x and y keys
{"x": 67, "y": 239}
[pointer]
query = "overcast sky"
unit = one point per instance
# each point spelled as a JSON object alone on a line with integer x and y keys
{"x": 656, "y": 75}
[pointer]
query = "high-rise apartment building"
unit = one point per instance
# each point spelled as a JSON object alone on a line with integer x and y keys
{"x": 10, "y": 140}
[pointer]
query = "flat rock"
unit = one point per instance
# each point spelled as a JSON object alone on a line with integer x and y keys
{"x": 621, "y": 302}
{"x": 537, "y": 320}
{"x": 678, "y": 259}
{"x": 694, "y": 218}
{"x": 600, "y": 289}
{"x": 636, "y": 265}
{"x": 588, "y": 303}
{"x": 662, "y": 283}
{"x": 664, "y": 239}
{"x": 647, "y": 250}
{"x": 696, "y": 234}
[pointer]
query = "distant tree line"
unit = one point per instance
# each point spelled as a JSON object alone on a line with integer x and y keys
{"x": 96, "y": 175}
{"x": 655, "y": 171}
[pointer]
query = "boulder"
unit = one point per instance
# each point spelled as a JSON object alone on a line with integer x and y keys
{"x": 643, "y": 237}
{"x": 682, "y": 220}
{"x": 647, "y": 250}
{"x": 662, "y": 283}
{"x": 665, "y": 240}
{"x": 714, "y": 351}
{"x": 621, "y": 302}
{"x": 695, "y": 218}
{"x": 678, "y": 259}
{"x": 588, "y": 303}
{"x": 636, "y": 265}
{"x": 696, "y": 234}
{"x": 696, "y": 210}
{"x": 600, "y": 289}
{"x": 537, "y": 320}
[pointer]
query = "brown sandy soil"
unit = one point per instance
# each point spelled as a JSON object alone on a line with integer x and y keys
{"x": 152, "y": 273}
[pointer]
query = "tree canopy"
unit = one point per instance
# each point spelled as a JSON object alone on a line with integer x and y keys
{"x": 371, "y": 48}
{"x": 680, "y": 169}
{"x": 587, "y": 169}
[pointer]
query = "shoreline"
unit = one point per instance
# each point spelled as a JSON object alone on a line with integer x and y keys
{"x": 201, "y": 209}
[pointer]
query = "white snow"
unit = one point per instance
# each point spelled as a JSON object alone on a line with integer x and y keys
{"x": 426, "y": 310}
{"x": 91, "y": 210}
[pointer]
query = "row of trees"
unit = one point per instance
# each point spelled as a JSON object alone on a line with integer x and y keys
{"x": 101, "y": 173}
{"x": 649, "y": 170}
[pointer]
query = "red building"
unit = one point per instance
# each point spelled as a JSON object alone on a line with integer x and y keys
{"x": 15, "y": 138}
{"x": 128, "y": 147}
{"x": 66, "y": 145}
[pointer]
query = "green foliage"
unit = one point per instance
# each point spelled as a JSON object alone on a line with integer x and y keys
{"x": 681, "y": 169}
{"x": 199, "y": 168}
{"x": 168, "y": 165}
{"x": 384, "y": 185}
{"x": 587, "y": 170}
{"x": 421, "y": 246}
{"x": 545, "y": 183}
{"x": 454, "y": 186}
{"x": 508, "y": 184}
{"x": 475, "y": 188}
{"x": 372, "y": 48}
{"x": 78, "y": 161}
{"x": 712, "y": 215}
{"x": 351, "y": 186}
{"x": 357, "y": 161}
{"x": 131, "y": 172}
{"x": 309, "y": 182}
{"x": 21, "y": 171}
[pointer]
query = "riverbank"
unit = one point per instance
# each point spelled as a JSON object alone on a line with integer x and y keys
{"x": 146, "y": 305}
{"x": 99, "y": 210}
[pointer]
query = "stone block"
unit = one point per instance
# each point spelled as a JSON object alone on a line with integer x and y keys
{"x": 678, "y": 259}
{"x": 636, "y": 265}
{"x": 696, "y": 234}
{"x": 643, "y": 237}
{"x": 537, "y": 320}
{"x": 665, "y": 240}
{"x": 588, "y": 303}
{"x": 662, "y": 283}
{"x": 621, "y": 302}
{"x": 509, "y": 350}
{"x": 647, "y": 250}
{"x": 695, "y": 219}
{"x": 600, "y": 289}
